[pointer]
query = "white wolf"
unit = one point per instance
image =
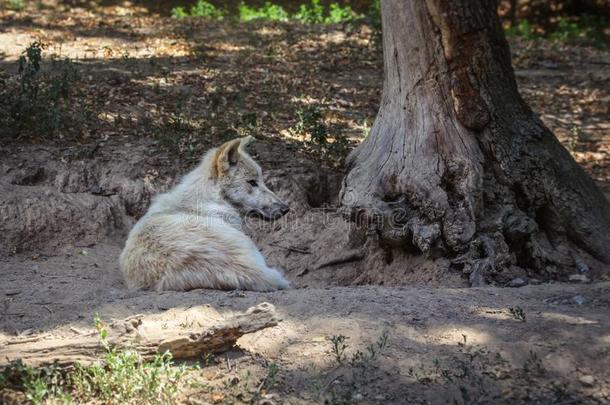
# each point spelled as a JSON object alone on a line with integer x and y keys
{"x": 191, "y": 236}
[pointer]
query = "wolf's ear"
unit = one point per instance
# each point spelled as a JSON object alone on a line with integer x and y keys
{"x": 244, "y": 142}
{"x": 228, "y": 153}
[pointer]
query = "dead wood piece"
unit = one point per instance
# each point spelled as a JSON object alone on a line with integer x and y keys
{"x": 291, "y": 248}
{"x": 184, "y": 333}
{"x": 349, "y": 256}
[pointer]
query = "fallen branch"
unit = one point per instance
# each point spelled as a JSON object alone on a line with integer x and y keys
{"x": 350, "y": 256}
{"x": 291, "y": 248}
{"x": 184, "y": 333}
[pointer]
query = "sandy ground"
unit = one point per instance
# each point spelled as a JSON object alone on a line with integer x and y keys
{"x": 468, "y": 332}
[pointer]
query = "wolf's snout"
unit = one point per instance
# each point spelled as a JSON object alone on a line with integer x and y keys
{"x": 279, "y": 210}
{"x": 284, "y": 208}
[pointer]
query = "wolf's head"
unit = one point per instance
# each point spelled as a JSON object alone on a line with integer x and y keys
{"x": 240, "y": 180}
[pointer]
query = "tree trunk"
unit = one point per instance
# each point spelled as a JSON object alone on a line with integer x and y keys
{"x": 456, "y": 164}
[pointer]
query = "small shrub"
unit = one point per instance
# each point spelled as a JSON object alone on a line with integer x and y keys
{"x": 33, "y": 103}
{"x": 363, "y": 359}
{"x": 37, "y": 384}
{"x": 179, "y": 12}
{"x": 312, "y": 13}
{"x": 15, "y": 5}
{"x": 315, "y": 13}
{"x": 206, "y": 10}
{"x": 338, "y": 347}
{"x": 356, "y": 373}
{"x": 309, "y": 120}
{"x": 201, "y": 9}
{"x": 268, "y": 11}
{"x": 518, "y": 313}
{"x": 586, "y": 30}
{"x": 524, "y": 30}
{"x": 533, "y": 365}
{"x": 310, "y": 123}
{"x": 339, "y": 14}
{"x": 359, "y": 358}
{"x": 121, "y": 377}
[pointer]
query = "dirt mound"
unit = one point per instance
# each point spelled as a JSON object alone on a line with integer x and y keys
{"x": 50, "y": 199}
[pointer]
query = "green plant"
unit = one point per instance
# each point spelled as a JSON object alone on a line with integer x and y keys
{"x": 338, "y": 347}
{"x": 310, "y": 123}
{"x": 15, "y": 5}
{"x": 201, "y": 9}
{"x": 33, "y": 102}
{"x": 524, "y": 29}
{"x": 362, "y": 359}
{"x": 179, "y": 12}
{"x": 312, "y": 13}
{"x": 339, "y": 14}
{"x": 268, "y": 11}
{"x": 518, "y": 313}
{"x": 354, "y": 373}
{"x": 37, "y": 384}
{"x": 533, "y": 364}
{"x": 586, "y": 29}
{"x": 122, "y": 376}
{"x": 315, "y": 13}
{"x": 206, "y": 10}
{"x": 309, "y": 120}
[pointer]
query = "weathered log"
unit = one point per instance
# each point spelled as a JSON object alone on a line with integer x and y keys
{"x": 184, "y": 333}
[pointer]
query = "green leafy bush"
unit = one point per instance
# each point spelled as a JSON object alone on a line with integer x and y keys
{"x": 15, "y": 5}
{"x": 201, "y": 9}
{"x": 315, "y": 13}
{"x": 309, "y": 13}
{"x": 268, "y": 11}
{"x": 122, "y": 377}
{"x": 587, "y": 30}
{"x": 318, "y": 137}
{"x": 312, "y": 13}
{"x": 37, "y": 103}
{"x": 338, "y": 14}
{"x": 179, "y": 12}
{"x": 524, "y": 30}
{"x": 583, "y": 30}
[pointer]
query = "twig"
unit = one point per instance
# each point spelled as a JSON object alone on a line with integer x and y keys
{"x": 351, "y": 256}
{"x": 291, "y": 248}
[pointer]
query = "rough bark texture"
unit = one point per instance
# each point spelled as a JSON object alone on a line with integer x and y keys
{"x": 456, "y": 164}
{"x": 186, "y": 334}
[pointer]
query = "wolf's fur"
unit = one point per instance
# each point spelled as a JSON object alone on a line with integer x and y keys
{"x": 191, "y": 237}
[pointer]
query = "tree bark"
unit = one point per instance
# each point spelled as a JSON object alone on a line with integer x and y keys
{"x": 456, "y": 164}
{"x": 184, "y": 333}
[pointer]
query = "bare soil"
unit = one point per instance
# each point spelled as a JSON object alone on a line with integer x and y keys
{"x": 66, "y": 205}
{"x": 470, "y": 333}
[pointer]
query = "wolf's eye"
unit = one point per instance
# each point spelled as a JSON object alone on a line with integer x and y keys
{"x": 253, "y": 183}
